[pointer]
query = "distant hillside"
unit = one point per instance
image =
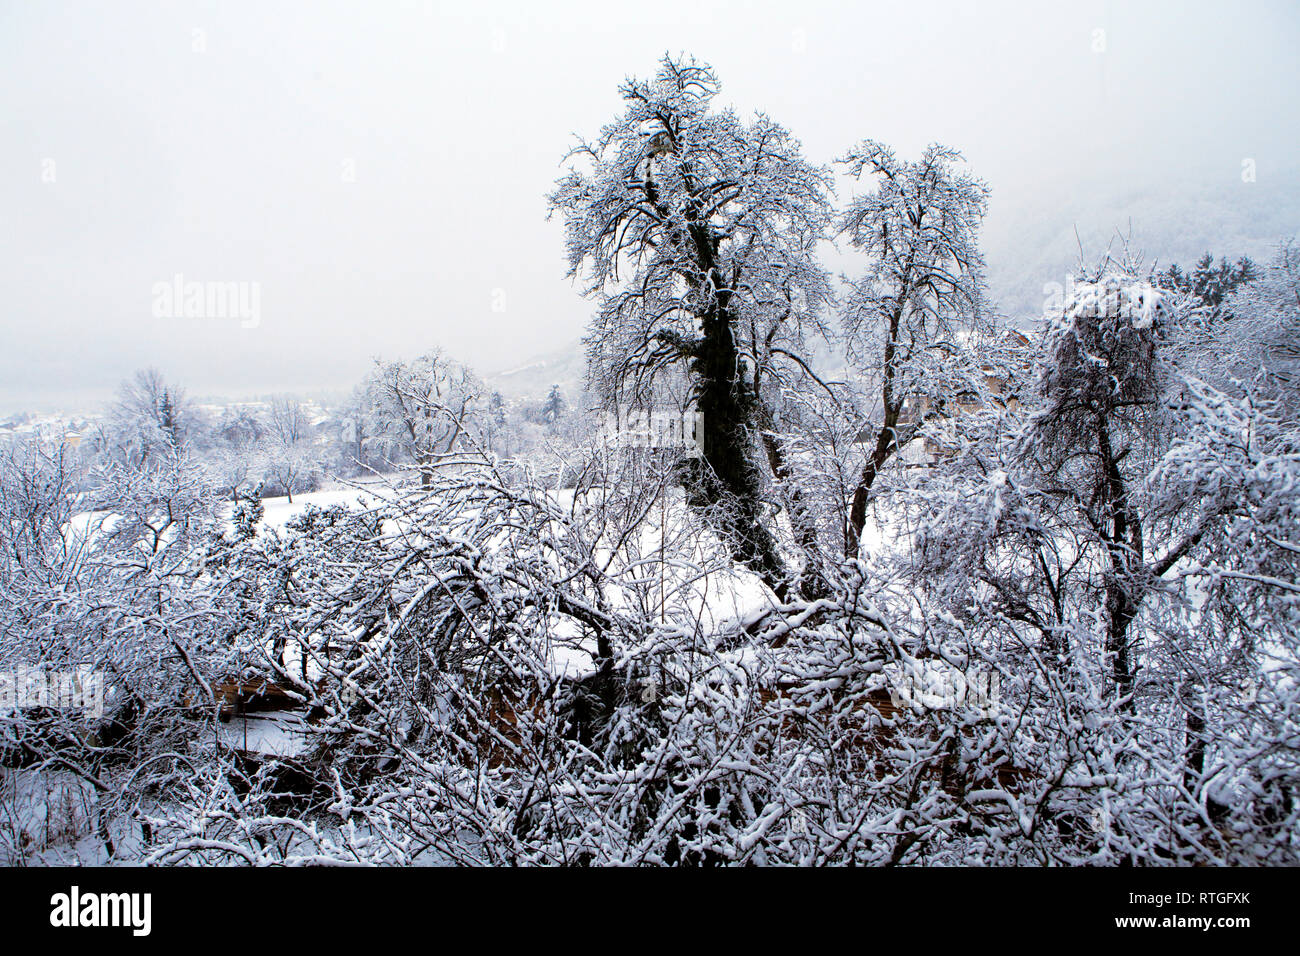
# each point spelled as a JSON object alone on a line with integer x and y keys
{"x": 1173, "y": 222}
{"x": 566, "y": 367}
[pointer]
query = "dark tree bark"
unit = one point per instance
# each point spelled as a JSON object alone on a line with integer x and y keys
{"x": 886, "y": 438}
{"x": 1195, "y": 762}
{"x": 1122, "y": 534}
{"x": 726, "y": 481}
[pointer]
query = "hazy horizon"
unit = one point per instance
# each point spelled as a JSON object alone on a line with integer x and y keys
{"x": 378, "y": 172}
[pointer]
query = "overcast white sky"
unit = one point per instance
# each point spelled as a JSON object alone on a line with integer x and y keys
{"x": 228, "y": 162}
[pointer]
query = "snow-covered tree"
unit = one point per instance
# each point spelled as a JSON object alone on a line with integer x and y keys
{"x": 553, "y": 407}
{"x": 912, "y": 314}
{"x": 108, "y": 589}
{"x": 1105, "y": 420}
{"x": 1094, "y": 545}
{"x": 292, "y": 466}
{"x": 150, "y": 418}
{"x": 1264, "y": 330}
{"x": 697, "y": 231}
{"x": 421, "y": 409}
{"x": 287, "y": 420}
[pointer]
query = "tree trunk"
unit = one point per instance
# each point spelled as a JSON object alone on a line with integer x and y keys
{"x": 812, "y": 582}
{"x": 886, "y": 445}
{"x": 1123, "y": 539}
{"x": 1194, "y": 766}
{"x": 886, "y": 439}
{"x": 726, "y": 482}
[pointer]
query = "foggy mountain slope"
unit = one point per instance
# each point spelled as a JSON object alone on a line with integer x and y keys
{"x": 1171, "y": 222}
{"x": 533, "y": 378}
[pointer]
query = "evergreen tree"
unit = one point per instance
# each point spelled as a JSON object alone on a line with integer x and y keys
{"x": 553, "y": 408}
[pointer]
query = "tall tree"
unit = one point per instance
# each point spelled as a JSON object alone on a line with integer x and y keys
{"x": 421, "y": 408}
{"x": 553, "y": 407}
{"x": 287, "y": 420}
{"x": 697, "y": 232}
{"x": 1111, "y": 408}
{"x": 149, "y": 418}
{"x": 911, "y": 314}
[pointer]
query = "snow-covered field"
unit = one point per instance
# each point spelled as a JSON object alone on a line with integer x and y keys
{"x": 277, "y": 512}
